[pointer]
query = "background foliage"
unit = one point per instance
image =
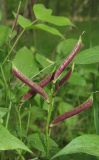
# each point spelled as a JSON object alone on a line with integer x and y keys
{"x": 41, "y": 47}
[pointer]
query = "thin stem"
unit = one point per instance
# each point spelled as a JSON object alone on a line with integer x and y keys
{"x": 48, "y": 130}
{"x": 96, "y": 107}
{"x": 19, "y": 117}
{"x": 5, "y": 83}
{"x": 28, "y": 121}
{"x": 8, "y": 116}
{"x": 15, "y": 43}
{"x": 4, "y": 78}
{"x": 16, "y": 18}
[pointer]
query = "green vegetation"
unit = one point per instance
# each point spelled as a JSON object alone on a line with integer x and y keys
{"x": 49, "y": 87}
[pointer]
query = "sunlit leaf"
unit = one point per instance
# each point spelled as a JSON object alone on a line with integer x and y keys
{"x": 24, "y": 61}
{"x": 45, "y": 15}
{"x": 24, "y": 22}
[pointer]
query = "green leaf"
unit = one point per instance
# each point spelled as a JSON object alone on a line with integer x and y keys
{"x": 64, "y": 48}
{"x": 10, "y": 142}
{"x": 77, "y": 79}
{"x": 24, "y": 61}
{"x": 4, "y": 33}
{"x": 88, "y": 56}
{"x": 45, "y": 15}
{"x": 38, "y": 141}
{"x": 49, "y": 29}
{"x": 43, "y": 60}
{"x": 41, "y": 12}
{"x": 24, "y": 22}
{"x": 3, "y": 111}
{"x": 88, "y": 144}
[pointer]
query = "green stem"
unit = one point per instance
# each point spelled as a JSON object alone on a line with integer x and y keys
{"x": 28, "y": 121}
{"x": 5, "y": 84}
{"x": 96, "y": 117}
{"x": 19, "y": 117}
{"x": 48, "y": 130}
{"x": 15, "y": 43}
{"x": 96, "y": 107}
{"x": 8, "y": 116}
{"x": 4, "y": 78}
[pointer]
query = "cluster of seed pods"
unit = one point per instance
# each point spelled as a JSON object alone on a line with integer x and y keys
{"x": 38, "y": 88}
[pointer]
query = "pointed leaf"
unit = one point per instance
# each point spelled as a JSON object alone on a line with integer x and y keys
{"x": 44, "y": 61}
{"x": 49, "y": 29}
{"x": 88, "y": 144}
{"x": 10, "y": 142}
{"x": 25, "y": 62}
{"x": 24, "y": 22}
{"x": 88, "y": 56}
{"x": 45, "y": 15}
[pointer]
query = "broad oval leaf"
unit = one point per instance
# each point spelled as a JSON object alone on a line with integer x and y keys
{"x": 64, "y": 48}
{"x": 10, "y": 142}
{"x": 49, "y": 29}
{"x": 24, "y": 22}
{"x": 43, "y": 61}
{"x": 88, "y": 144}
{"x": 41, "y": 12}
{"x": 45, "y": 15}
{"x": 24, "y": 61}
{"x": 88, "y": 56}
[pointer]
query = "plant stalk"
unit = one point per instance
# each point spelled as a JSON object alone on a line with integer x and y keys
{"x": 96, "y": 107}
{"x": 48, "y": 129}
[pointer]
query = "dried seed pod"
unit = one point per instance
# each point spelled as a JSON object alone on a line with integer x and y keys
{"x": 31, "y": 84}
{"x": 68, "y": 59}
{"x": 42, "y": 84}
{"x": 64, "y": 79}
{"x": 75, "y": 111}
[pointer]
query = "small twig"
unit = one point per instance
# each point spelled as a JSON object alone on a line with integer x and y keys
{"x": 17, "y": 15}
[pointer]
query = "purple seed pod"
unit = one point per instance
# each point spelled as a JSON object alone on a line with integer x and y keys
{"x": 68, "y": 59}
{"x": 69, "y": 114}
{"x": 64, "y": 79}
{"x": 31, "y": 84}
{"x": 42, "y": 84}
